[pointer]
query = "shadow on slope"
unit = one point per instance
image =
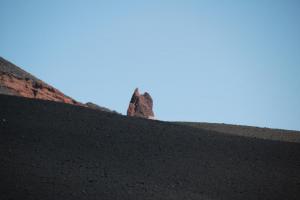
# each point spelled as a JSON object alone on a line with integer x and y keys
{"x": 247, "y": 131}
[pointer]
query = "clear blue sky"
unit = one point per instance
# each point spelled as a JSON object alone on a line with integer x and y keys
{"x": 215, "y": 61}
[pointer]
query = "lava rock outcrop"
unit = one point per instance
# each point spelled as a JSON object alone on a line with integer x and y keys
{"x": 141, "y": 105}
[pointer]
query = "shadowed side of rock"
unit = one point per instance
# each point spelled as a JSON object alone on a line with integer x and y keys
{"x": 140, "y": 105}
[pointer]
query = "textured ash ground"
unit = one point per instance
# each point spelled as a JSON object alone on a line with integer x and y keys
{"x": 57, "y": 151}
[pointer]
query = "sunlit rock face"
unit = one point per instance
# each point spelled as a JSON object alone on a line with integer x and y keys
{"x": 140, "y": 105}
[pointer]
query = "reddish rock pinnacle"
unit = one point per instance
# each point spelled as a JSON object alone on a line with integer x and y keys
{"x": 141, "y": 105}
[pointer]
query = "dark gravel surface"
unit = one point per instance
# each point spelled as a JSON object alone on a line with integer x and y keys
{"x": 56, "y": 151}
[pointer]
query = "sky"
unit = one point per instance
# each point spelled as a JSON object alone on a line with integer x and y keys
{"x": 225, "y": 61}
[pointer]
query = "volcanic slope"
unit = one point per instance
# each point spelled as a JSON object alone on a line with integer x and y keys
{"x": 15, "y": 81}
{"x": 51, "y": 150}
